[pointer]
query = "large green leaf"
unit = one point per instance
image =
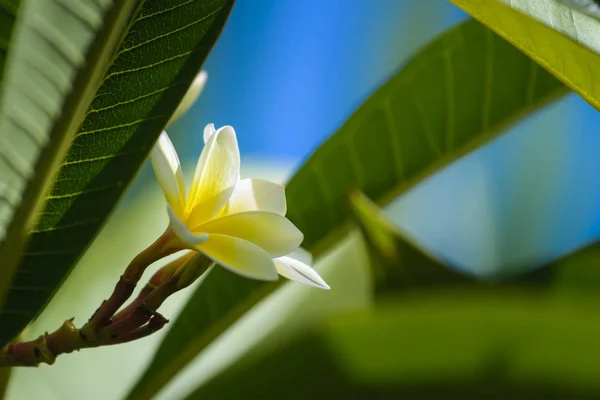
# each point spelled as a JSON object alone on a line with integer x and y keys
{"x": 60, "y": 50}
{"x": 399, "y": 264}
{"x": 455, "y": 95}
{"x": 8, "y": 15}
{"x": 569, "y": 49}
{"x": 396, "y": 262}
{"x": 453, "y": 344}
{"x": 162, "y": 52}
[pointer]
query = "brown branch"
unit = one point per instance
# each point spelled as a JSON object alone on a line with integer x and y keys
{"x": 127, "y": 283}
{"x": 135, "y": 321}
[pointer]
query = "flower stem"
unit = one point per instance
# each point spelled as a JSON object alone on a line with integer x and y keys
{"x": 159, "y": 277}
{"x": 126, "y": 285}
{"x": 144, "y": 308}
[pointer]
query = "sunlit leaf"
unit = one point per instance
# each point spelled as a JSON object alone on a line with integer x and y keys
{"x": 162, "y": 52}
{"x": 455, "y": 95}
{"x": 589, "y": 7}
{"x": 59, "y": 52}
{"x": 451, "y": 344}
{"x": 569, "y": 49}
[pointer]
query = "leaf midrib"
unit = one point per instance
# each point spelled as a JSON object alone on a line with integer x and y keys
{"x": 337, "y": 234}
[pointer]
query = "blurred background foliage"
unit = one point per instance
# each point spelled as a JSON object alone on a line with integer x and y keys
{"x": 286, "y": 76}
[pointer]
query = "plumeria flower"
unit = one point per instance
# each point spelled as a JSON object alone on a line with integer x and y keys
{"x": 239, "y": 224}
{"x": 261, "y": 194}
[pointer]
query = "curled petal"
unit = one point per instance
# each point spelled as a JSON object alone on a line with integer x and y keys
{"x": 190, "y": 96}
{"x": 257, "y": 195}
{"x": 208, "y": 132}
{"x": 188, "y": 239}
{"x": 167, "y": 169}
{"x": 218, "y": 168}
{"x": 239, "y": 256}
{"x": 299, "y": 272}
{"x": 270, "y": 231}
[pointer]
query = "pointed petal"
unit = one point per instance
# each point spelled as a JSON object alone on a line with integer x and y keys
{"x": 218, "y": 169}
{"x": 257, "y": 195}
{"x": 181, "y": 231}
{"x": 239, "y": 256}
{"x": 168, "y": 172}
{"x": 272, "y": 232}
{"x": 299, "y": 272}
{"x": 190, "y": 96}
{"x": 208, "y": 132}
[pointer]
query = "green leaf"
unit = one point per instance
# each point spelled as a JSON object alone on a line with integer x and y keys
{"x": 399, "y": 264}
{"x": 455, "y": 95}
{"x": 163, "y": 51}
{"x": 8, "y": 15}
{"x": 453, "y": 344}
{"x": 576, "y": 273}
{"x": 569, "y": 51}
{"x": 59, "y": 52}
{"x": 396, "y": 262}
{"x": 5, "y": 374}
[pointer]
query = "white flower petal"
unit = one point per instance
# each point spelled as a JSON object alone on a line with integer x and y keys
{"x": 167, "y": 169}
{"x": 208, "y": 132}
{"x": 299, "y": 272}
{"x": 272, "y": 232}
{"x": 218, "y": 168}
{"x": 182, "y": 232}
{"x": 239, "y": 256}
{"x": 190, "y": 97}
{"x": 257, "y": 195}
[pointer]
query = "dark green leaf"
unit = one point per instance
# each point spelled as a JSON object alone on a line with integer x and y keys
{"x": 159, "y": 57}
{"x": 396, "y": 262}
{"x": 455, "y": 344}
{"x": 8, "y": 15}
{"x": 577, "y": 273}
{"x": 5, "y": 374}
{"x": 399, "y": 264}
{"x": 455, "y": 95}
{"x": 59, "y": 53}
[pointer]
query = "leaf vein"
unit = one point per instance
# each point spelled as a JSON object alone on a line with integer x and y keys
{"x": 67, "y": 226}
{"x": 83, "y": 192}
{"x": 131, "y": 101}
{"x": 128, "y": 124}
{"x": 164, "y": 35}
